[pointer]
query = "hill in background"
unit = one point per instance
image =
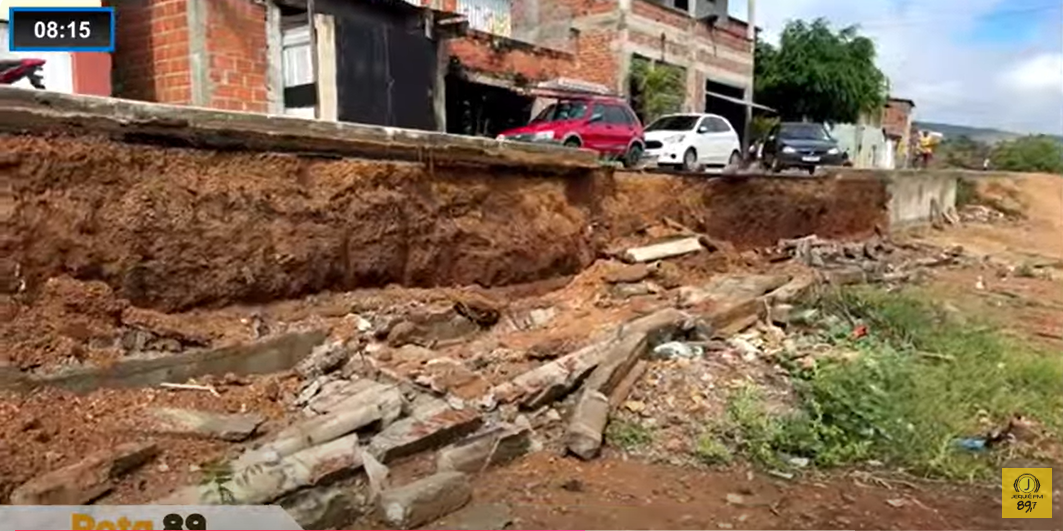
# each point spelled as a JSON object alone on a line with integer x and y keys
{"x": 979, "y": 134}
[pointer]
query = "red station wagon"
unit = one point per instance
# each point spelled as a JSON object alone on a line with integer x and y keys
{"x": 601, "y": 123}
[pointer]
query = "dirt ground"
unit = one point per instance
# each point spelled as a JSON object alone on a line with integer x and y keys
{"x": 546, "y": 491}
{"x": 549, "y": 492}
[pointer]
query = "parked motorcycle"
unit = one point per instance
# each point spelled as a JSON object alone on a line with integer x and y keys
{"x": 14, "y": 70}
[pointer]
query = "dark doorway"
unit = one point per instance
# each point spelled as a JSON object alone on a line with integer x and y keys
{"x": 734, "y": 112}
{"x": 385, "y": 71}
{"x": 483, "y": 110}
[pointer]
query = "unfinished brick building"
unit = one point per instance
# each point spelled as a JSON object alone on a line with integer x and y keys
{"x": 404, "y": 63}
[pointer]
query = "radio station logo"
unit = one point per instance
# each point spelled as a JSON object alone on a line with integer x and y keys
{"x": 172, "y": 521}
{"x": 1027, "y": 492}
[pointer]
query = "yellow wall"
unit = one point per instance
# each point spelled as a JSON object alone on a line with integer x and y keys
{"x": 7, "y": 4}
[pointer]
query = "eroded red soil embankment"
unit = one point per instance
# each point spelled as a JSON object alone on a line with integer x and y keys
{"x": 174, "y": 228}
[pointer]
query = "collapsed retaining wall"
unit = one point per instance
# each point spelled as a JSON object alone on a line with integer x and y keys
{"x": 178, "y": 227}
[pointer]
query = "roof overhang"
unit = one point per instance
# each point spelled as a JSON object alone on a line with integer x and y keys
{"x": 740, "y": 101}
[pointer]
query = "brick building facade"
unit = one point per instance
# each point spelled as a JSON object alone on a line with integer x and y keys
{"x": 220, "y": 53}
{"x": 897, "y": 124}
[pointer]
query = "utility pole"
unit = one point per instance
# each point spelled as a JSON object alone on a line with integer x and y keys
{"x": 751, "y": 34}
{"x": 313, "y": 58}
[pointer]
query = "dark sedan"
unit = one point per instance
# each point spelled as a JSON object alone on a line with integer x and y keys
{"x": 801, "y": 145}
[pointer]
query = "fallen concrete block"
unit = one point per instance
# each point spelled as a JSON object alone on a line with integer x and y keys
{"x": 331, "y": 507}
{"x": 729, "y": 288}
{"x": 619, "y": 395}
{"x": 275, "y": 354}
{"x": 352, "y": 395}
{"x": 490, "y": 516}
{"x": 86, "y": 480}
{"x": 627, "y": 274}
{"x": 659, "y": 251}
{"x": 636, "y": 338}
{"x": 195, "y": 423}
{"x": 425, "y": 500}
{"x": 552, "y": 380}
{"x": 261, "y": 483}
{"x": 431, "y": 424}
{"x": 589, "y": 418}
{"x": 497, "y": 446}
{"x": 795, "y": 289}
{"x": 323, "y": 359}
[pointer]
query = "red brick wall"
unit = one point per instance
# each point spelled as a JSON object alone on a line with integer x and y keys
{"x": 91, "y": 72}
{"x": 236, "y": 44}
{"x": 732, "y": 35}
{"x": 895, "y": 117}
{"x": 537, "y": 64}
{"x": 151, "y": 57}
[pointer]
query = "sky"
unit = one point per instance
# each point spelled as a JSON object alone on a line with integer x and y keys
{"x": 981, "y": 63}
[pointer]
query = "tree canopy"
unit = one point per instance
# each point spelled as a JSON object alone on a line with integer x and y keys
{"x": 818, "y": 74}
{"x": 1037, "y": 153}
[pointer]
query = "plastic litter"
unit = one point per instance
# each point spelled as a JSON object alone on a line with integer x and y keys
{"x": 677, "y": 349}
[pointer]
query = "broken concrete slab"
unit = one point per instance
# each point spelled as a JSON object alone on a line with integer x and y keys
{"x": 662, "y": 250}
{"x": 623, "y": 389}
{"x": 425, "y": 500}
{"x": 731, "y": 303}
{"x": 592, "y": 410}
{"x": 725, "y": 289}
{"x": 86, "y": 480}
{"x": 352, "y": 394}
{"x": 637, "y": 337}
{"x": 383, "y": 407}
{"x": 431, "y": 424}
{"x": 330, "y": 507}
{"x": 262, "y": 357}
{"x": 261, "y": 483}
{"x": 794, "y": 290}
{"x": 323, "y": 359}
{"x": 206, "y": 424}
{"x": 487, "y": 516}
{"x": 589, "y": 418}
{"x": 497, "y": 446}
{"x": 547, "y": 382}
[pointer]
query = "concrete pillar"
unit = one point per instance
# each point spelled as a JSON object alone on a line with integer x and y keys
{"x": 274, "y": 59}
{"x": 439, "y": 90}
{"x": 328, "y": 102}
{"x": 198, "y": 54}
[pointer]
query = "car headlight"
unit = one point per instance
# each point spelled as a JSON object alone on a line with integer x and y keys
{"x": 500, "y": 137}
{"x": 544, "y": 135}
{"x": 674, "y": 139}
{"x": 788, "y": 149}
{"x": 832, "y": 151}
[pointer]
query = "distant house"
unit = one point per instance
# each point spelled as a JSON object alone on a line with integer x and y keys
{"x": 897, "y": 123}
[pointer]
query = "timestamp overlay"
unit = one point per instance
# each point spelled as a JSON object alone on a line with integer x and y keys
{"x": 61, "y": 29}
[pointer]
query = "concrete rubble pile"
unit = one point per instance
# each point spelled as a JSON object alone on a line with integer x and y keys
{"x": 872, "y": 261}
{"x": 388, "y": 393}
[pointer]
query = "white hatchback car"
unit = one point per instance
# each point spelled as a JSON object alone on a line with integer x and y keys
{"x": 692, "y": 141}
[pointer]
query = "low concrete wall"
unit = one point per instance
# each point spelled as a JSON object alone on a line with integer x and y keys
{"x": 916, "y": 197}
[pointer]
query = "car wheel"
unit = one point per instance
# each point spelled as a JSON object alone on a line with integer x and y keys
{"x": 633, "y": 156}
{"x": 774, "y": 165}
{"x": 571, "y": 142}
{"x": 690, "y": 160}
{"x": 735, "y": 160}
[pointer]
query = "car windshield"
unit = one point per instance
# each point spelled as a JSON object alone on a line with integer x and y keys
{"x": 562, "y": 110}
{"x": 673, "y": 123}
{"x": 803, "y": 132}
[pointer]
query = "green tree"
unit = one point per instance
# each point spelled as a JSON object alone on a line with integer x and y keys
{"x": 1035, "y": 153}
{"x": 818, "y": 74}
{"x": 657, "y": 88}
